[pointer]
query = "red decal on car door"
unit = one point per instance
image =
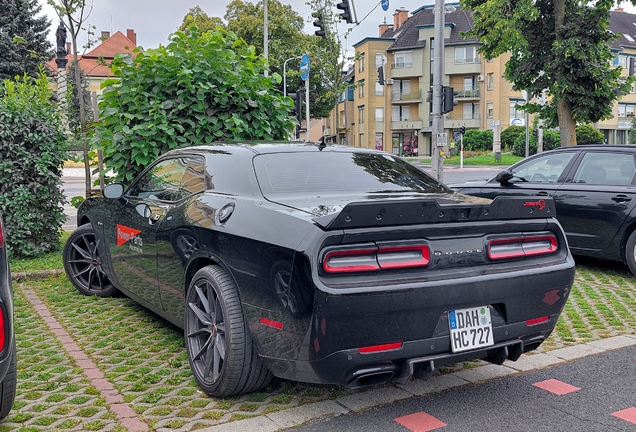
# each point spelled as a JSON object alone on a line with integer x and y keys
{"x": 125, "y": 233}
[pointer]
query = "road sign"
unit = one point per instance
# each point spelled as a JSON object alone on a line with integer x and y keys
{"x": 304, "y": 67}
{"x": 385, "y": 5}
{"x": 442, "y": 139}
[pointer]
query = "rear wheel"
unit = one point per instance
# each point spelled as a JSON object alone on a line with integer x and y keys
{"x": 222, "y": 355}
{"x": 83, "y": 264}
{"x": 8, "y": 386}
{"x": 630, "y": 253}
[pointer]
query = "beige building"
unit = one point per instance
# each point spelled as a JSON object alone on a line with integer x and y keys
{"x": 396, "y": 117}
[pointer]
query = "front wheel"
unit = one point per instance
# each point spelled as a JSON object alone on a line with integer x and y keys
{"x": 222, "y": 355}
{"x": 83, "y": 264}
{"x": 630, "y": 253}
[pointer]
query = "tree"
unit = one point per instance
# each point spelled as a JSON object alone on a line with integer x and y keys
{"x": 560, "y": 46}
{"x": 23, "y": 42}
{"x": 286, "y": 41}
{"x": 33, "y": 148}
{"x": 74, "y": 98}
{"x": 203, "y": 22}
{"x": 196, "y": 90}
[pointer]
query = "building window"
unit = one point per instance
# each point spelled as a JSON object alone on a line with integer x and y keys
{"x": 379, "y": 114}
{"x": 361, "y": 88}
{"x": 470, "y": 111}
{"x": 626, "y": 110}
{"x": 400, "y": 113}
{"x": 491, "y": 81}
{"x": 620, "y": 60}
{"x": 465, "y": 55}
{"x": 379, "y": 89}
{"x": 516, "y": 109}
{"x": 361, "y": 115}
{"x": 403, "y": 59}
{"x": 490, "y": 110}
{"x": 361, "y": 62}
{"x": 362, "y": 143}
{"x": 379, "y": 60}
{"x": 378, "y": 141}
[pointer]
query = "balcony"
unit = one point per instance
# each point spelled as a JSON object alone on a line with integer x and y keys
{"x": 406, "y": 124}
{"x": 413, "y": 97}
{"x": 474, "y": 93}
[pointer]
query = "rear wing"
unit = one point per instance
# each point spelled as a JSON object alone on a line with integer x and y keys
{"x": 412, "y": 212}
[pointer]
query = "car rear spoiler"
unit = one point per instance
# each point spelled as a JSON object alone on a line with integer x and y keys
{"x": 409, "y": 212}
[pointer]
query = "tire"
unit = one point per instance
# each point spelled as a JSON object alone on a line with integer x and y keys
{"x": 222, "y": 355}
{"x": 83, "y": 264}
{"x": 8, "y": 386}
{"x": 630, "y": 253}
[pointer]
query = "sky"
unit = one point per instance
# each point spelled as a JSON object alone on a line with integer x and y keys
{"x": 154, "y": 20}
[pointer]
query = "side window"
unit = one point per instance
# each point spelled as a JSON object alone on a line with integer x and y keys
{"x": 546, "y": 169}
{"x": 161, "y": 182}
{"x": 193, "y": 181}
{"x": 606, "y": 168}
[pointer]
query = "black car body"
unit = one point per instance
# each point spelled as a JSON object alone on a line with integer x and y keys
{"x": 8, "y": 364}
{"x": 594, "y": 192}
{"x": 325, "y": 265}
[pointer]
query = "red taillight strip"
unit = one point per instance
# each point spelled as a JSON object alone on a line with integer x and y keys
{"x": 518, "y": 247}
{"x": 271, "y": 323}
{"x": 348, "y": 264}
{"x": 1, "y": 234}
{"x": 2, "y": 330}
{"x": 537, "y": 320}
{"x": 421, "y": 258}
{"x": 380, "y": 348}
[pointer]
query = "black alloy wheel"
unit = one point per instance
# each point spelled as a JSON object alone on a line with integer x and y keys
{"x": 220, "y": 349}
{"x": 83, "y": 264}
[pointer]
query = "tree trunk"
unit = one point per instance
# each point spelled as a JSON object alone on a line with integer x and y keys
{"x": 567, "y": 126}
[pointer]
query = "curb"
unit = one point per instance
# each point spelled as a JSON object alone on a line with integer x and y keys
{"x": 299, "y": 416}
{"x": 29, "y": 275}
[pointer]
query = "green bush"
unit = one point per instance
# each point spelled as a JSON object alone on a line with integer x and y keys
{"x": 478, "y": 140}
{"x": 510, "y": 134}
{"x": 196, "y": 90}
{"x": 551, "y": 141}
{"x": 32, "y": 152}
{"x": 588, "y": 134}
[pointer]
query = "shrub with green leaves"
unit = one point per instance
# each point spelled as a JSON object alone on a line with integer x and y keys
{"x": 33, "y": 148}
{"x": 510, "y": 134}
{"x": 478, "y": 140}
{"x": 198, "y": 89}
{"x": 588, "y": 134}
{"x": 551, "y": 141}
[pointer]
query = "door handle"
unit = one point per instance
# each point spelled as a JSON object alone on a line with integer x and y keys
{"x": 543, "y": 193}
{"x": 154, "y": 217}
{"x": 621, "y": 198}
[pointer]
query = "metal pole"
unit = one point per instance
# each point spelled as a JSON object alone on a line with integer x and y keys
{"x": 285, "y": 74}
{"x": 307, "y": 109}
{"x": 438, "y": 82}
{"x": 461, "y": 153}
{"x": 265, "y": 34}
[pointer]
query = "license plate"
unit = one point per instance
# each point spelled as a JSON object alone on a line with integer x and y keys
{"x": 470, "y": 328}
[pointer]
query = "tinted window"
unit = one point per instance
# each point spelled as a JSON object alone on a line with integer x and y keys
{"x": 605, "y": 168}
{"x": 161, "y": 182}
{"x": 544, "y": 169}
{"x": 339, "y": 172}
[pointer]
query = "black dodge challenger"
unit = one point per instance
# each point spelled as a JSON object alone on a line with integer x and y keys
{"x": 322, "y": 264}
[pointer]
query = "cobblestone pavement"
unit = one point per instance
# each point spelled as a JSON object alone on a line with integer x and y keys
{"x": 87, "y": 363}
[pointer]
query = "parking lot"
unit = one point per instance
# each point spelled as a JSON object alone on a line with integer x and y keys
{"x": 88, "y": 363}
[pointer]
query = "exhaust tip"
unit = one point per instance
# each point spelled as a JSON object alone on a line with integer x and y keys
{"x": 371, "y": 376}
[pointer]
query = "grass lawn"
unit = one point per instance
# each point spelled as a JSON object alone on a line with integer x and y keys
{"x": 485, "y": 159}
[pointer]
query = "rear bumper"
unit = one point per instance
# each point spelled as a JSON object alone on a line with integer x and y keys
{"x": 351, "y": 369}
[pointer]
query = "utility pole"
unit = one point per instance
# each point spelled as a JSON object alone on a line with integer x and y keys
{"x": 437, "y": 167}
{"x": 265, "y": 34}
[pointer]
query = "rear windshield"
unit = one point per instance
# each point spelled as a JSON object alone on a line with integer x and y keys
{"x": 340, "y": 172}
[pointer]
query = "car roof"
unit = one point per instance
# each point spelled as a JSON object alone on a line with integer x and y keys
{"x": 264, "y": 147}
{"x": 602, "y": 147}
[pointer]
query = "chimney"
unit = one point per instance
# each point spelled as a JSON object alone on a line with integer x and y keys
{"x": 384, "y": 27}
{"x": 619, "y": 9}
{"x": 105, "y": 35}
{"x": 130, "y": 34}
{"x": 68, "y": 47}
{"x": 399, "y": 17}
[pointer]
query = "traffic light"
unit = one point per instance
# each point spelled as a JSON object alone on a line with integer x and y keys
{"x": 463, "y": 130}
{"x": 448, "y": 99}
{"x": 381, "y": 75}
{"x": 297, "y": 97}
{"x": 346, "y": 11}
{"x": 320, "y": 24}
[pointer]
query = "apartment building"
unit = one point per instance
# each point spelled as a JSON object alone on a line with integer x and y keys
{"x": 395, "y": 117}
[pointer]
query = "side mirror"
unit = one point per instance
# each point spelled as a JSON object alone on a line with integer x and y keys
{"x": 113, "y": 191}
{"x": 504, "y": 176}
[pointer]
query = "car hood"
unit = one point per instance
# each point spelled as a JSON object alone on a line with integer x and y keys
{"x": 333, "y": 204}
{"x": 470, "y": 184}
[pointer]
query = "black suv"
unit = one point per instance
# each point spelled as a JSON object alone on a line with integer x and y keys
{"x": 8, "y": 367}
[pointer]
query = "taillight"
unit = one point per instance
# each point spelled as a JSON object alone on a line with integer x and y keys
{"x": 373, "y": 258}
{"x": 2, "y": 329}
{"x": 536, "y": 321}
{"x": 523, "y": 246}
{"x": 1, "y": 234}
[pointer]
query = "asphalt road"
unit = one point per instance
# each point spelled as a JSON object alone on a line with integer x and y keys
{"x": 601, "y": 396}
